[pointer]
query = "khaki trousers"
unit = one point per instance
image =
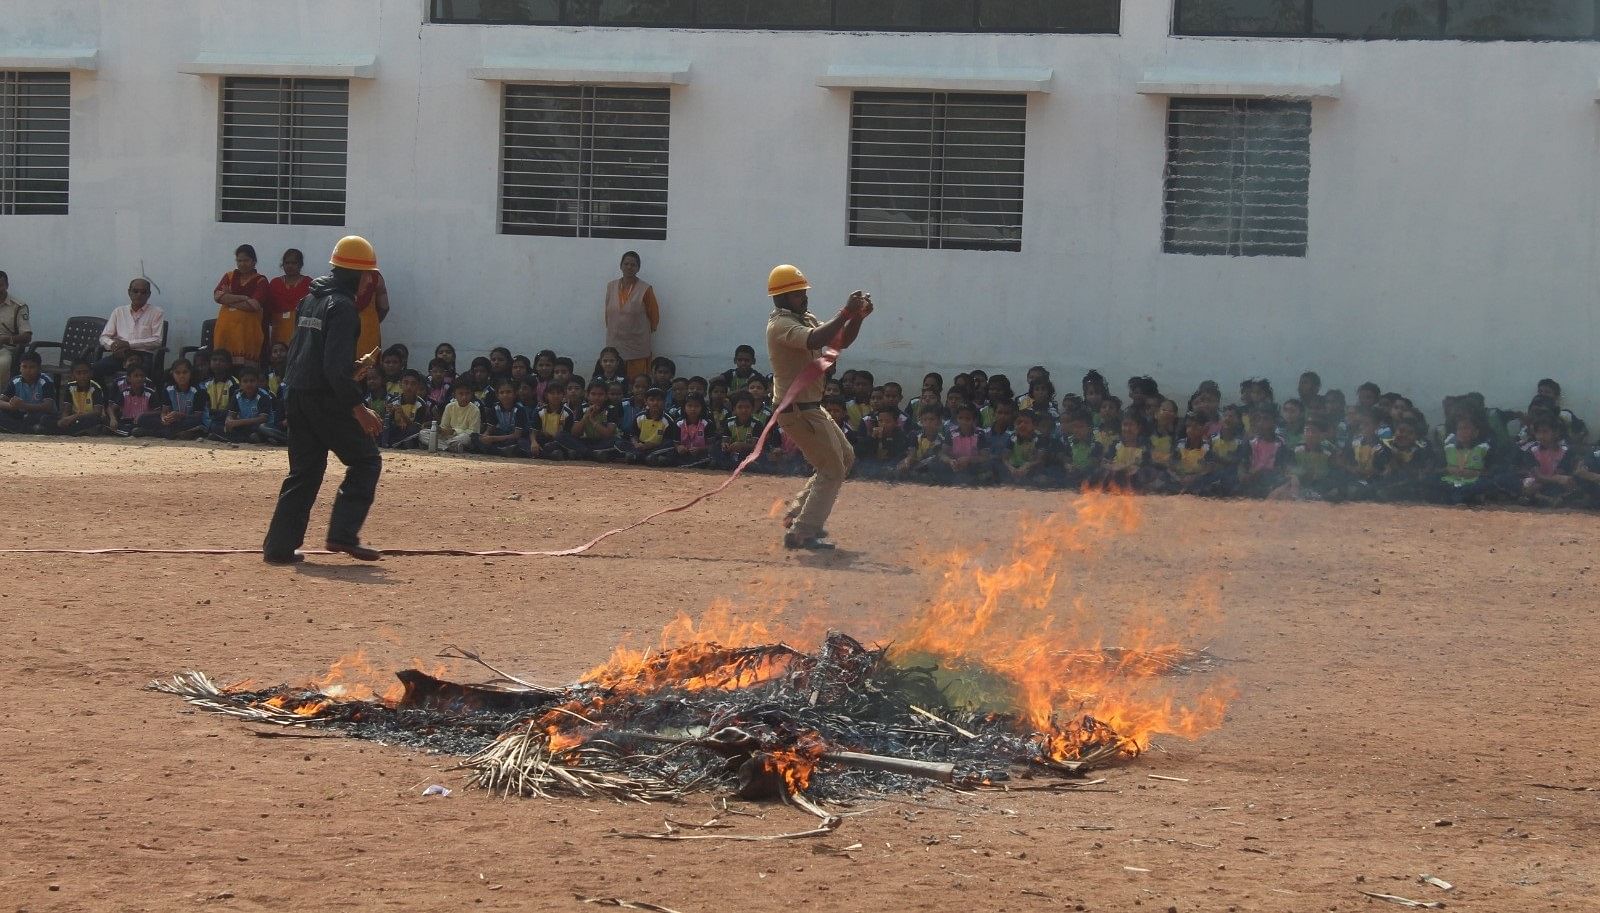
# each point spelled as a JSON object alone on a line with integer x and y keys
{"x": 826, "y": 449}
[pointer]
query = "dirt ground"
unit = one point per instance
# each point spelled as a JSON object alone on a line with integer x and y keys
{"x": 1408, "y": 677}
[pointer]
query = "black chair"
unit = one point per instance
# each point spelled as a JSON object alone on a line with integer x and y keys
{"x": 207, "y": 330}
{"x": 158, "y": 358}
{"x": 80, "y": 339}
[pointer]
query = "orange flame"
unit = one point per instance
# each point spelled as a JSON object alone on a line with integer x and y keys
{"x": 995, "y": 623}
{"x": 795, "y": 765}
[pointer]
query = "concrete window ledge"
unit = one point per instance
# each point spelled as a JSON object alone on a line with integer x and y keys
{"x": 81, "y": 59}
{"x": 1256, "y": 83}
{"x": 561, "y": 71}
{"x": 939, "y": 79}
{"x": 310, "y": 65}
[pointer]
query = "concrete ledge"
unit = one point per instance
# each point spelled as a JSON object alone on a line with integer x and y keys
{"x": 952, "y": 79}
{"x": 325, "y": 66}
{"x": 1241, "y": 83}
{"x": 566, "y": 71}
{"x": 82, "y": 59}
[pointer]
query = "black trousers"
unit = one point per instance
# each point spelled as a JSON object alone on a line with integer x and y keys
{"x": 317, "y": 425}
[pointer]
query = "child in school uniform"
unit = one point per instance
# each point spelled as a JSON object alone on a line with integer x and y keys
{"x": 739, "y": 432}
{"x": 409, "y": 413}
{"x": 1311, "y": 474}
{"x": 250, "y": 412}
{"x": 594, "y": 435}
{"x": 718, "y": 407}
{"x": 277, "y": 364}
{"x": 218, "y": 388}
{"x": 552, "y": 423}
{"x": 882, "y": 445}
{"x": 1193, "y": 471}
{"x": 1025, "y": 452}
{"x": 377, "y": 395}
{"x": 28, "y": 402}
{"x": 440, "y": 380}
{"x": 1230, "y": 449}
{"x": 1357, "y": 462}
{"x": 83, "y": 404}
{"x": 968, "y": 448}
{"x": 690, "y": 440}
{"x": 1548, "y": 465}
{"x": 186, "y": 410}
{"x": 137, "y": 408}
{"x": 1110, "y": 425}
{"x": 459, "y": 422}
{"x": 609, "y": 366}
{"x": 1123, "y": 465}
{"x": 1266, "y": 460}
{"x": 648, "y": 436}
{"x": 392, "y": 365}
{"x": 1080, "y": 454}
{"x": 744, "y": 368}
{"x": 927, "y": 455}
{"x": 1406, "y": 464}
{"x": 506, "y": 425}
{"x": 1467, "y": 477}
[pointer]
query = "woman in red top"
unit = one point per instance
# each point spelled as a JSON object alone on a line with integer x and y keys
{"x": 240, "y": 293}
{"x": 284, "y": 295}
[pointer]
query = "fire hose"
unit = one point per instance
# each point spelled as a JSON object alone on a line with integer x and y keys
{"x": 817, "y": 368}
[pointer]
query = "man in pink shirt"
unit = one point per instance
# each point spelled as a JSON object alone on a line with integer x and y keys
{"x": 133, "y": 327}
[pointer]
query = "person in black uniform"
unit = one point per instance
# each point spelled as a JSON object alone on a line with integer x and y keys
{"x": 325, "y": 413}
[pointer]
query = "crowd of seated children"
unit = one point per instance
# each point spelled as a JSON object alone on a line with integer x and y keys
{"x": 978, "y": 431}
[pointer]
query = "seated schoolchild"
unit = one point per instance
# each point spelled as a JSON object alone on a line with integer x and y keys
{"x": 1266, "y": 461}
{"x": 440, "y": 381}
{"x": 83, "y": 403}
{"x": 250, "y": 412}
{"x": 459, "y": 422}
{"x": 1548, "y": 465}
{"x": 552, "y": 424}
{"x": 968, "y": 448}
{"x": 1357, "y": 462}
{"x": 1311, "y": 472}
{"x": 28, "y": 401}
{"x": 218, "y": 387}
{"x": 186, "y": 409}
{"x": 1124, "y": 465}
{"x": 1406, "y": 465}
{"x": 648, "y": 437}
{"x": 927, "y": 456}
{"x": 739, "y": 433}
{"x": 409, "y": 413}
{"x": 506, "y": 426}
{"x": 1023, "y": 456}
{"x": 690, "y": 439}
{"x": 136, "y": 409}
{"x": 1192, "y": 469}
{"x": 595, "y": 434}
{"x": 1467, "y": 476}
{"x": 1080, "y": 453}
{"x": 744, "y": 368}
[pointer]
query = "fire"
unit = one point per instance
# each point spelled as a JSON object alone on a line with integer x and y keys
{"x": 298, "y": 707}
{"x": 993, "y": 626}
{"x": 795, "y": 764}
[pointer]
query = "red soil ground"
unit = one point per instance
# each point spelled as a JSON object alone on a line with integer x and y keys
{"x": 1408, "y": 676}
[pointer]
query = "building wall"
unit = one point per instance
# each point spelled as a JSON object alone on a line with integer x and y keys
{"x": 1453, "y": 223}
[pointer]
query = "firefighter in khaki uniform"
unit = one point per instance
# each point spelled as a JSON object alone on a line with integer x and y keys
{"x": 795, "y": 338}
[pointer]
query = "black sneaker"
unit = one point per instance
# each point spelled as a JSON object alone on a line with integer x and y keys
{"x": 291, "y": 558}
{"x": 809, "y": 543}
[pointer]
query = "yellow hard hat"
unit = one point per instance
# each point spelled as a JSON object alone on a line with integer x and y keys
{"x": 354, "y": 252}
{"x": 785, "y": 279}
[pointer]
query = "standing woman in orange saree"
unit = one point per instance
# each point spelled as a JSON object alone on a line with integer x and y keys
{"x": 372, "y": 303}
{"x": 284, "y": 295}
{"x": 240, "y": 294}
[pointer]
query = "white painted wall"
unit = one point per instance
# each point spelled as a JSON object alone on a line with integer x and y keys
{"x": 1453, "y": 235}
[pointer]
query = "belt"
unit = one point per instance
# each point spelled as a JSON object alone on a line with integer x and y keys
{"x": 796, "y": 407}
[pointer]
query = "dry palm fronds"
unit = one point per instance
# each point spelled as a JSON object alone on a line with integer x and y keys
{"x": 199, "y": 690}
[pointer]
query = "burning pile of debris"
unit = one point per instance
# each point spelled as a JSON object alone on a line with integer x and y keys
{"x": 985, "y": 686}
{"x": 761, "y": 721}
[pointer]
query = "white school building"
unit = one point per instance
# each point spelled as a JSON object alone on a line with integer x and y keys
{"x": 1185, "y": 188}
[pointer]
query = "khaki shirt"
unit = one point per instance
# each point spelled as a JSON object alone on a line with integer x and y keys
{"x": 786, "y": 347}
{"x": 14, "y": 317}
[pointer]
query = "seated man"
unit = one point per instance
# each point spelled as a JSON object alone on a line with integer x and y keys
{"x": 133, "y": 328}
{"x": 15, "y": 332}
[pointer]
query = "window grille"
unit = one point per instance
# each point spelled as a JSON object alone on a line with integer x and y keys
{"x": 283, "y": 152}
{"x": 584, "y": 161}
{"x": 937, "y": 170}
{"x": 1238, "y": 177}
{"x": 35, "y": 115}
{"x": 1041, "y": 16}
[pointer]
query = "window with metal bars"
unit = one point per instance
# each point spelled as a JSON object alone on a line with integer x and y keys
{"x": 1061, "y": 16}
{"x": 1238, "y": 177}
{"x": 937, "y": 170}
{"x": 1491, "y": 20}
{"x": 584, "y": 161}
{"x": 283, "y": 151}
{"x": 35, "y": 115}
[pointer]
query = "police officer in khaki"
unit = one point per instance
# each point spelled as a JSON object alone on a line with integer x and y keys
{"x": 796, "y": 338}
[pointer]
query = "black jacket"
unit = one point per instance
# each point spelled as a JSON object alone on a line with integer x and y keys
{"x": 322, "y": 354}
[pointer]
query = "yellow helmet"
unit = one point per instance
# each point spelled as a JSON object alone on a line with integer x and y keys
{"x": 354, "y": 252}
{"x": 785, "y": 279}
